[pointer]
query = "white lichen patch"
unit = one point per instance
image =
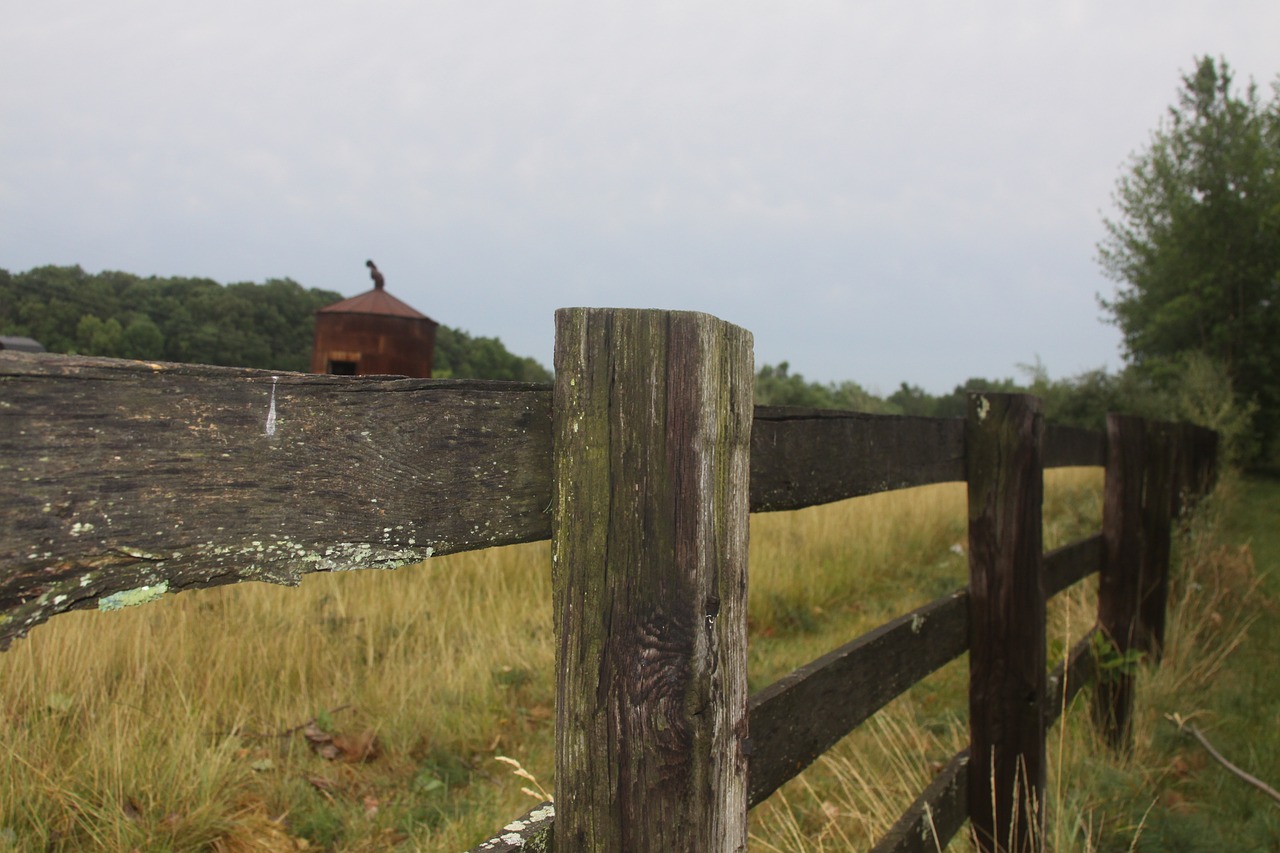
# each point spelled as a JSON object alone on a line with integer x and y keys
{"x": 984, "y": 407}
{"x": 917, "y": 622}
{"x": 523, "y": 834}
{"x": 131, "y": 597}
{"x": 926, "y": 825}
{"x": 301, "y": 557}
{"x": 139, "y": 553}
{"x": 80, "y": 528}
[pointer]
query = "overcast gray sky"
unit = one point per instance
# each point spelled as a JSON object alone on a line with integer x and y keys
{"x": 879, "y": 191}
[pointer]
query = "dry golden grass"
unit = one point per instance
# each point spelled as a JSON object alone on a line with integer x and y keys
{"x": 181, "y": 725}
{"x": 854, "y": 793}
{"x": 178, "y": 725}
{"x": 1159, "y": 796}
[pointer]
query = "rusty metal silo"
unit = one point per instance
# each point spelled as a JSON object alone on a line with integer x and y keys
{"x": 373, "y": 333}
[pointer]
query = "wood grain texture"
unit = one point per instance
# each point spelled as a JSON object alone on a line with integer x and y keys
{"x": 1066, "y": 447}
{"x": 1003, "y": 440}
{"x": 124, "y": 479}
{"x": 935, "y": 816}
{"x": 651, "y": 434}
{"x": 803, "y": 457}
{"x": 1119, "y": 584}
{"x": 802, "y": 715}
{"x": 120, "y": 480}
{"x": 1072, "y": 563}
{"x": 1157, "y": 532}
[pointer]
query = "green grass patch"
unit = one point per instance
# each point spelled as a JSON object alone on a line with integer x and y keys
{"x": 1169, "y": 795}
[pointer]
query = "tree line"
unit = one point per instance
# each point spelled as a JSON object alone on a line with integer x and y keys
{"x": 197, "y": 320}
{"x": 1202, "y": 395}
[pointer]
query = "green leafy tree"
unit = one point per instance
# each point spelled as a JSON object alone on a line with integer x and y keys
{"x": 459, "y": 355}
{"x": 99, "y": 337}
{"x": 118, "y": 314}
{"x": 778, "y": 386}
{"x": 1085, "y": 400}
{"x": 956, "y": 404}
{"x": 912, "y": 400}
{"x": 1196, "y": 246}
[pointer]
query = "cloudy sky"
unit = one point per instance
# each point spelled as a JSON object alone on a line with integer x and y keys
{"x": 879, "y": 191}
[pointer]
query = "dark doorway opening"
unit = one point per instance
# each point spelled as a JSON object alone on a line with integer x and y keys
{"x": 342, "y": 368}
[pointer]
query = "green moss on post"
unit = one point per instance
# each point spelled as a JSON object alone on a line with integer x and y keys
{"x": 652, "y": 424}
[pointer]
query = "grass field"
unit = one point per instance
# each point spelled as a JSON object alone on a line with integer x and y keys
{"x": 367, "y": 710}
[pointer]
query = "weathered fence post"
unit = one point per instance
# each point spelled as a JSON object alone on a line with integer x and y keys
{"x": 651, "y": 428}
{"x": 1157, "y": 532}
{"x": 1003, "y": 444}
{"x": 1120, "y": 580}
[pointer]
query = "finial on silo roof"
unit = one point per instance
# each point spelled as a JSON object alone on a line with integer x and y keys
{"x": 378, "y": 281}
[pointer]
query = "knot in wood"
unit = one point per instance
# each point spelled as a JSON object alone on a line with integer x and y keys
{"x": 657, "y": 673}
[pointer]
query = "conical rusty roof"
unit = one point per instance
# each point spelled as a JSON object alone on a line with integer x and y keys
{"x": 376, "y": 301}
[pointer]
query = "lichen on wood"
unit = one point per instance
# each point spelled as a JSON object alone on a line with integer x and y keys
{"x": 117, "y": 476}
{"x": 652, "y": 422}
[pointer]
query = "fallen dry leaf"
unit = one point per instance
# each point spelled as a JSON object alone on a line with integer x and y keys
{"x": 314, "y": 734}
{"x": 347, "y": 747}
{"x": 361, "y": 747}
{"x": 321, "y": 741}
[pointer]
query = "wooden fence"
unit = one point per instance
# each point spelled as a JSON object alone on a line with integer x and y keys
{"x": 122, "y": 481}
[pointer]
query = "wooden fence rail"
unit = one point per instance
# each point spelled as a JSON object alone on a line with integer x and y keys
{"x": 121, "y": 481}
